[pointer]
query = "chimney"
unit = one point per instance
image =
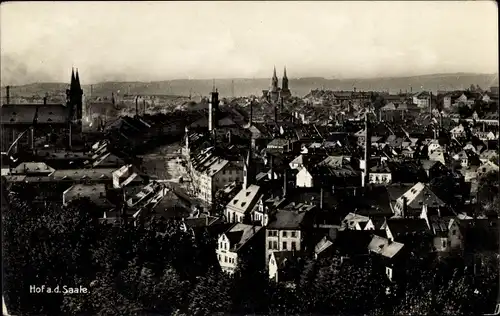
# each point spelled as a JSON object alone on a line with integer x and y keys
{"x": 70, "y": 136}
{"x": 32, "y": 138}
{"x": 271, "y": 165}
{"x": 137, "y": 105}
{"x": 229, "y": 134}
{"x": 404, "y": 209}
{"x": 366, "y": 175}
{"x": 7, "y": 95}
{"x": 321, "y": 199}
{"x": 144, "y": 106}
{"x": 45, "y": 100}
{"x": 285, "y": 184}
{"x": 251, "y": 113}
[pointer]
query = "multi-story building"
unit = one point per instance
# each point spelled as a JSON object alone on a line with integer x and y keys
{"x": 286, "y": 229}
{"x": 239, "y": 243}
{"x": 211, "y": 172}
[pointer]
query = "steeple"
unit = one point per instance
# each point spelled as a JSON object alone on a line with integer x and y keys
{"x": 77, "y": 80}
{"x": 284, "y": 85}
{"x": 274, "y": 81}
{"x": 73, "y": 79}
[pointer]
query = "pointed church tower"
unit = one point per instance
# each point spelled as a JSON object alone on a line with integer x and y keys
{"x": 285, "y": 91}
{"x": 284, "y": 84}
{"x": 274, "y": 81}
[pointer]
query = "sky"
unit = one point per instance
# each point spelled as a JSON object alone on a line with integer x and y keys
{"x": 148, "y": 41}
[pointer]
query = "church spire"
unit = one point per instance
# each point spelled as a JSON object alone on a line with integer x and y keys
{"x": 284, "y": 73}
{"x": 77, "y": 80}
{"x": 274, "y": 72}
{"x": 73, "y": 79}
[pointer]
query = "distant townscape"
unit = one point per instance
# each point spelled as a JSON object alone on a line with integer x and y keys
{"x": 288, "y": 200}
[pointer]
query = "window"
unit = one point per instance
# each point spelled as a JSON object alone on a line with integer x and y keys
{"x": 293, "y": 234}
{"x": 294, "y": 245}
{"x": 284, "y": 245}
{"x": 270, "y": 245}
{"x": 275, "y": 245}
{"x": 444, "y": 243}
{"x": 388, "y": 271}
{"x": 454, "y": 232}
{"x": 284, "y": 234}
{"x": 225, "y": 259}
{"x": 220, "y": 245}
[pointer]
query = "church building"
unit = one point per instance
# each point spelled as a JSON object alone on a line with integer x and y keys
{"x": 275, "y": 93}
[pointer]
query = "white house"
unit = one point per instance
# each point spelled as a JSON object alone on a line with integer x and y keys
{"x": 285, "y": 229}
{"x": 243, "y": 204}
{"x": 458, "y": 131}
{"x": 232, "y": 244}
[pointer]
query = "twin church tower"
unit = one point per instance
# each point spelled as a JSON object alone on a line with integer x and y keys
{"x": 276, "y": 93}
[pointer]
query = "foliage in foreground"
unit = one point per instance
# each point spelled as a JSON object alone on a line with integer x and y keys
{"x": 132, "y": 270}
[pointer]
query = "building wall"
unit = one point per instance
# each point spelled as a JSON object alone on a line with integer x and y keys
{"x": 276, "y": 239}
{"x": 228, "y": 260}
{"x": 273, "y": 269}
{"x": 304, "y": 179}
{"x": 441, "y": 244}
{"x": 380, "y": 178}
{"x": 234, "y": 216}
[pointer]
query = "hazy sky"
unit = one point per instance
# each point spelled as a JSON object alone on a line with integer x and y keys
{"x": 137, "y": 41}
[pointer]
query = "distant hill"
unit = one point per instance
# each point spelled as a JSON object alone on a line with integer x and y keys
{"x": 245, "y": 87}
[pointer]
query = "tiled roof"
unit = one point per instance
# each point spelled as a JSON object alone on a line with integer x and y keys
{"x": 33, "y": 167}
{"x": 245, "y": 199}
{"x": 25, "y": 113}
{"x": 240, "y": 234}
{"x": 401, "y": 226}
{"x": 286, "y": 219}
{"x": 384, "y": 247}
{"x": 419, "y": 195}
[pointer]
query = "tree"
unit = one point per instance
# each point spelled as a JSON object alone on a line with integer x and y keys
{"x": 464, "y": 111}
{"x": 211, "y": 295}
{"x": 488, "y": 191}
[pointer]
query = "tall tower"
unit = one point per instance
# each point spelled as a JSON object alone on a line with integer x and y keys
{"x": 213, "y": 110}
{"x": 285, "y": 91}
{"x": 284, "y": 83}
{"x": 74, "y": 98}
{"x": 274, "y": 81}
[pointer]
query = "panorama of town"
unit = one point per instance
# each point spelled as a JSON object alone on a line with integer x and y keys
{"x": 335, "y": 202}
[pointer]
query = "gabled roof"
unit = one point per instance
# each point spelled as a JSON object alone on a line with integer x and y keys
{"x": 384, "y": 247}
{"x": 244, "y": 201}
{"x": 239, "y": 235}
{"x": 287, "y": 219}
{"x": 282, "y": 258}
{"x": 25, "y": 113}
{"x": 429, "y": 164}
{"x": 419, "y": 195}
{"x": 402, "y": 226}
{"x": 33, "y": 167}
